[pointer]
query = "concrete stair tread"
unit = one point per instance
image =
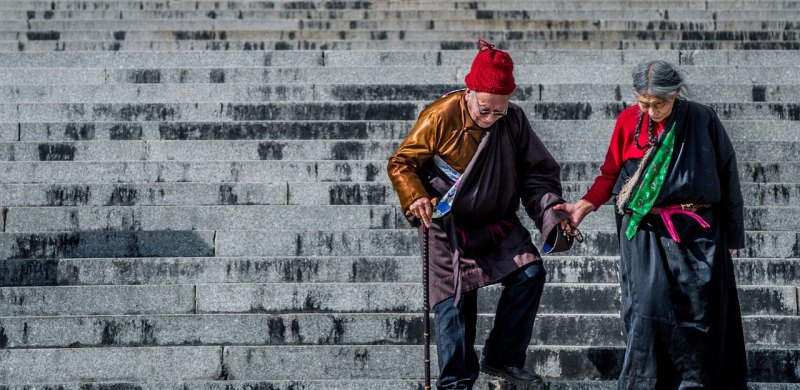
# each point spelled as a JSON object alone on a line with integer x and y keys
{"x": 398, "y": 34}
{"x": 267, "y": 217}
{"x": 326, "y": 329}
{"x": 270, "y": 171}
{"x": 562, "y": 268}
{"x": 347, "y": 110}
{"x": 650, "y": 10}
{"x": 394, "y": 297}
{"x": 318, "y": 150}
{"x": 323, "y": 362}
{"x": 386, "y": 57}
{"x": 779, "y": 130}
{"x": 483, "y": 382}
{"x": 227, "y": 22}
{"x": 273, "y": 92}
{"x": 289, "y": 192}
{"x": 191, "y": 45}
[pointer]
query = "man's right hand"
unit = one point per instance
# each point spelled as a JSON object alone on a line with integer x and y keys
{"x": 577, "y": 211}
{"x": 422, "y": 209}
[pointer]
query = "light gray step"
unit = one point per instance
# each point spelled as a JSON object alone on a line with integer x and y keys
{"x": 422, "y": 35}
{"x": 276, "y": 193}
{"x": 561, "y": 268}
{"x": 381, "y": 44}
{"x": 104, "y": 364}
{"x": 393, "y": 297}
{"x": 404, "y": 242}
{"x": 388, "y": 58}
{"x": 294, "y": 150}
{"x": 314, "y": 329}
{"x": 374, "y": 242}
{"x": 221, "y": 91}
{"x": 75, "y": 131}
{"x": 405, "y": 5}
{"x": 269, "y": 171}
{"x": 371, "y": 75}
{"x": 14, "y": 22}
{"x": 312, "y": 363}
{"x": 305, "y": 111}
{"x": 287, "y": 193}
{"x": 309, "y": 130}
{"x": 108, "y": 244}
{"x": 258, "y": 217}
{"x": 541, "y": 11}
{"x": 223, "y": 217}
{"x": 484, "y": 382}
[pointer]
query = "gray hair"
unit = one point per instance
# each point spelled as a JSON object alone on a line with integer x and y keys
{"x": 658, "y": 78}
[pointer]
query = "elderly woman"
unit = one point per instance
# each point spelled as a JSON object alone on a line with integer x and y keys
{"x": 679, "y": 210}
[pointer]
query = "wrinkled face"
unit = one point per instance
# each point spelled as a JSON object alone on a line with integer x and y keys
{"x": 656, "y": 107}
{"x": 485, "y": 108}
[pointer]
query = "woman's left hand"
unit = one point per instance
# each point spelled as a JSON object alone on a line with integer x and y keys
{"x": 730, "y": 251}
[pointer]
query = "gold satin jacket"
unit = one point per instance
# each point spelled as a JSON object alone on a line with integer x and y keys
{"x": 445, "y": 128}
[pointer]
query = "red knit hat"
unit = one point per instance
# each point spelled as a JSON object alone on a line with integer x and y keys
{"x": 492, "y": 71}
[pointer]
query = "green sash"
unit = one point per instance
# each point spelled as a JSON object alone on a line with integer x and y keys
{"x": 651, "y": 184}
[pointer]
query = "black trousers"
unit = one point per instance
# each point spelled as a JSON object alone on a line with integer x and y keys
{"x": 508, "y": 341}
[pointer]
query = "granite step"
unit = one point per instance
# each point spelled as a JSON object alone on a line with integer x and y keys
{"x": 287, "y": 363}
{"x": 257, "y": 217}
{"x": 154, "y": 59}
{"x": 274, "y": 298}
{"x": 282, "y": 193}
{"x": 327, "y": 329}
{"x": 225, "y": 21}
{"x": 544, "y": 10}
{"x": 382, "y": 44}
{"x": 404, "y": 5}
{"x": 484, "y": 383}
{"x": 376, "y": 76}
{"x": 268, "y": 171}
{"x": 300, "y": 150}
{"x": 393, "y": 35}
{"x": 305, "y": 111}
{"x": 561, "y": 268}
{"x": 386, "y": 242}
{"x": 275, "y": 92}
{"x": 285, "y": 242}
{"x": 546, "y": 130}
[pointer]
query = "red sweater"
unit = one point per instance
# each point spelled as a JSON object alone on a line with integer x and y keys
{"x": 620, "y": 150}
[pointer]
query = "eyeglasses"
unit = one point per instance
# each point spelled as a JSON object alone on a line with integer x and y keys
{"x": 484, "y": 111}
{"x": 495, "y": 113}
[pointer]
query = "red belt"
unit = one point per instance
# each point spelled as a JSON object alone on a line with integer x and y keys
{"x": 686, "y": 209}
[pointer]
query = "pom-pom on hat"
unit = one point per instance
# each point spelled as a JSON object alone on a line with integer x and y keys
{"x": 492, "y": 71}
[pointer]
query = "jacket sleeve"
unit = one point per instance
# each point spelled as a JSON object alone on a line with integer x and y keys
{"x": 731, "y": 204}
{"x": 539, "y": 180}
{"x": 418, "y": 146}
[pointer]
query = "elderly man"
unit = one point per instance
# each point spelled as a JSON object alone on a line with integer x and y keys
{"x": 462, "y": 171}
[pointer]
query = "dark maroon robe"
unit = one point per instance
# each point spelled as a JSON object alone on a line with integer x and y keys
{"x": 482, "y": 236}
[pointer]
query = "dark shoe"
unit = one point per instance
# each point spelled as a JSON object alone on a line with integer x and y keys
{"x": 514, "y": 374}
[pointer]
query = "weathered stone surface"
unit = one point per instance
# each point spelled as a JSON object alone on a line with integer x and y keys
{"x": 327, "y": 329}
{"x": 106, "y": 244}
{"x": 104, "y": 364}
{"x": 83, "y": 300}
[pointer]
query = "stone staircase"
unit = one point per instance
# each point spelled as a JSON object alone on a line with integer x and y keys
{"x": 194, "y": 193}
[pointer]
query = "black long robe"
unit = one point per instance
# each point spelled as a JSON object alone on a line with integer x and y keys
{"x": 680, "y": 307}
{"x": 483, "y": 236}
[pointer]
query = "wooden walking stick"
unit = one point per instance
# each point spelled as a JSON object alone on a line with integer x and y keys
{"x": 426, "y": 321}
